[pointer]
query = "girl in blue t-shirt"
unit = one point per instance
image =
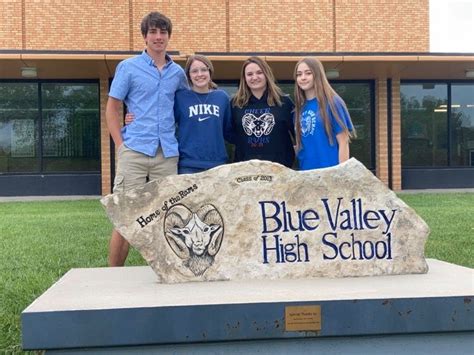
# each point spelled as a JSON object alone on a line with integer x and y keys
{"x": 322, "y": 123}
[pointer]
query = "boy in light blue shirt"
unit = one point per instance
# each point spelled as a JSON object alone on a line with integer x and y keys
{"x": 147, "y": 148}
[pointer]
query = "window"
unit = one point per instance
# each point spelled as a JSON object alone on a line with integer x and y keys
{"x": 437, "y": 124}
{"x": 49, "y": 127}
{"x": 70, "y": 127}
{"x": 462, "y": 125}
{"x": 18, "y": 127}
{"x": 424, "y": 124}
{"x": 358, "y": 99}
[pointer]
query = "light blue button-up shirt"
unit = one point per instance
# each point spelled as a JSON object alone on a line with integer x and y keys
{"x": 149, "y": 95}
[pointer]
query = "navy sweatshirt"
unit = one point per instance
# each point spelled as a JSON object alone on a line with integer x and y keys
{"x": 203, "y": 121}
{"x": 264, "y": 132}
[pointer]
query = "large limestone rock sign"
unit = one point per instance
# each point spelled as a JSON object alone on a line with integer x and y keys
{"x": 260, "y": 220}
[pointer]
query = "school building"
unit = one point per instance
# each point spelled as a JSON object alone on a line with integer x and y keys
{"x": 404, "y": 68}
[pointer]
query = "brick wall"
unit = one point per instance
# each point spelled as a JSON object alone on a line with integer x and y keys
{"x": 76, "y": 25}
{"x": 281, "y": 26}
{"x": 11, "y": 24}
{"x": 382, "y": 26}
{"x": 198, "y": 25}
{"x": 219, "y": 25}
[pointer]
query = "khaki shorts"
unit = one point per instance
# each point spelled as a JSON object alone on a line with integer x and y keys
{"x": 133, "y": 168}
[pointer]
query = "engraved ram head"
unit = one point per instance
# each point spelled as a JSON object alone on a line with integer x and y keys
{"x": 195, "y": 237}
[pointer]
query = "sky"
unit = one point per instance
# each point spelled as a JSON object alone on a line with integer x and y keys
{"x": 452, "y": 26}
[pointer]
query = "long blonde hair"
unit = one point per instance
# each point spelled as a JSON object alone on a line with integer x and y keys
{"x": 325, "y": 95}
{"x": 244, "y": 93}
{"x": 206, "y": 62}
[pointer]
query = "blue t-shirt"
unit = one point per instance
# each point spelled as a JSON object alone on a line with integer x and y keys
{"x": 316, "y": 151}
{"x": 149, "y": 94}
{"x": 203, "y": 121}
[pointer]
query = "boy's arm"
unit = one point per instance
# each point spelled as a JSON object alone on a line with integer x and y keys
{"x": 112, "y": 117}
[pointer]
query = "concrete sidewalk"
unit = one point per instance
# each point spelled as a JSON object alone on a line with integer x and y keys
{"x": 47, "y": 198}
{"x": 97, "y": 197}
{"x": 434, "y": 191}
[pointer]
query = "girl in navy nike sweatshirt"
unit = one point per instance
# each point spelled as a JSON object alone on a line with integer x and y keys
{"x": 203, "y": 117}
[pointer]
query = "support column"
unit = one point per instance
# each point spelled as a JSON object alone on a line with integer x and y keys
{"x": 104, "y": 140}
{"x": 381, "y": 134}
{"x": 396, "y": 136}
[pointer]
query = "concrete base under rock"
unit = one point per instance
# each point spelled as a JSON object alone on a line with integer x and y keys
{"x": 109, "y": 307}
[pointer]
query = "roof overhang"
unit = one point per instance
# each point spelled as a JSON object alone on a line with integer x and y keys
{"x": 351, "y": 66}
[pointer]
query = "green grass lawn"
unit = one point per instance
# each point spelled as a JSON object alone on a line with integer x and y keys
{"x": 41, "y": 241}
{"x": 451, "y": 219}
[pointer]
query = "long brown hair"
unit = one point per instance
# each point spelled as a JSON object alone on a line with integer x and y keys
{"x": 206, "y": 62}
{"x": 325, "y": 95}
{"x": 244, "y": 93}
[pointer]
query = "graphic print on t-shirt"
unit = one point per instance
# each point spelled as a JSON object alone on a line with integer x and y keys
{"x": 258, "y": 126}
{"x": 308, "y": 122}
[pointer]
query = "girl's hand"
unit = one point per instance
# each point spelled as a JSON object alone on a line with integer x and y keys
{"x": 129, "y": 117}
